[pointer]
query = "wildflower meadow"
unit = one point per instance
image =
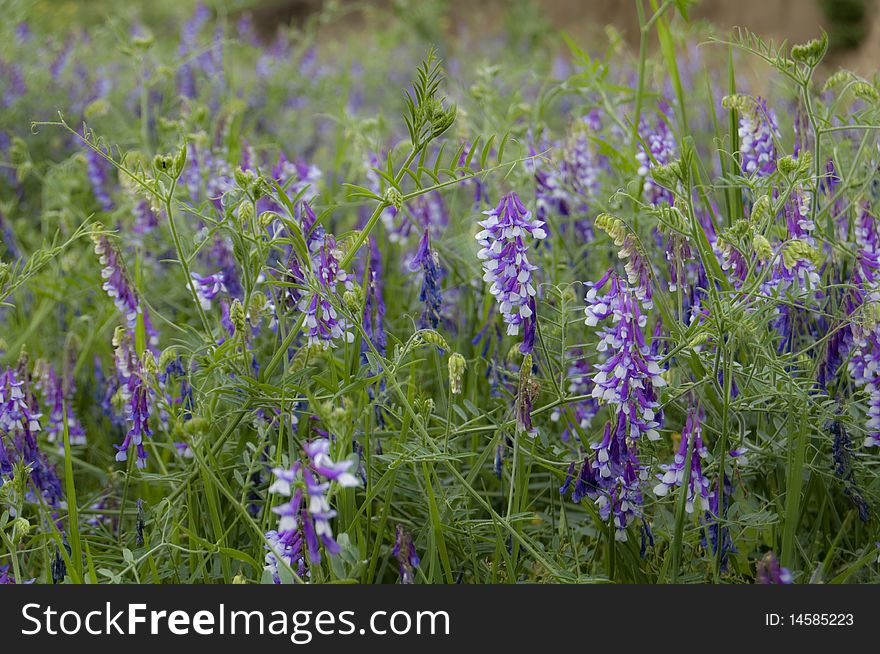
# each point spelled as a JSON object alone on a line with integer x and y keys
{"x": 420, "y": 304}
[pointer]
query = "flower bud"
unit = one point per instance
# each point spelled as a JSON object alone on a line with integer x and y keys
{"x": 22, "y": 527}
{"x": 245, "y": 213}
{"x": 434, "y": 338}
{"x": 457, "y": 367}
{"x": 236, "y": 315}
{"x": 394, "y": 198}
{"x": 353, "y": 298}
{"x": 810, "y": 52}
{"x": 762, "y": 247}
{"x": 787, "y": 165}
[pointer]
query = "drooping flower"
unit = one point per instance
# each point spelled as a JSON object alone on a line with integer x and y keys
{"x": 405, "y": 553}
{"x": 505, "y": 261}
{"x": 116, "y": 280}
{"x": 699, "y": 489}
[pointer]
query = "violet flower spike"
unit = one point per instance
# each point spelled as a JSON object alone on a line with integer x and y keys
{"x": 698, "y": 484}
{"x": 430, "y": 293}
{"x": 505, "y": 261}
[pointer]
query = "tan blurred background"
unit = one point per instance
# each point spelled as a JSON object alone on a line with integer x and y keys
{"x": 853, "y": 25}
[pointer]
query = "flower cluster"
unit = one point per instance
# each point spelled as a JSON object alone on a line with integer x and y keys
{"x": 19, "y": 426}
{"x": 55, "y": 395}
{"x": 305, "y": 518}
{"x": 758, "y": 133}
{"x": 116, "y": 280}
{"x": 430, "y": 294}
{"x": 657, "y": 147}
{"x": 134, "y": 395}
{"x": 626, "y": 381}
{"x": 505, "y": 261}
{"x": 674, "y": 473}
{"x": 322, "y": 323}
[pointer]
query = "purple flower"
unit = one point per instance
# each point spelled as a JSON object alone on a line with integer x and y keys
{"x": 698, "y": 483}
{"x": 430, "y": 295}
{"x": 312, "y": 230}
{"x": 12, "y": 85}
{"x": 768, "y": 571}
{"x": 138, "y": 414}
{"x": 374, "y": 303}
{"x": 19, "y": 426}
{"x": 628, "y": 377}
{"x": 298, "y": 178}
{"x": 318, "y": 452}
{"x": 716, "y": 535}
{"x": 145, "y": 218}
{"x": 221, "y": 258}
{"x": 551, "y": 194}
{"x": 306, "y": 517}
{"x": 505, "y": 261}
{"x": 5, "y": 577}
{"x": 97, "y": 172}
{"x": 661, "y": 150}
{"x": 407, "y": 557}
{"x": 208, "y": 287}
{"x": 116, "y": 281}
{"x": 322, "y": 323}
{"x": 758, "y": 132}
{"x": 625, "y": 380}
{"x": 54, "y": 396}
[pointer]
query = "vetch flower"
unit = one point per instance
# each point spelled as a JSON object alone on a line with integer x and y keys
{"x": 674, "y": 473}
{"x": 405, "y": 552}
{"x": 661, "y": 150}
{"x": 625, "y": 380}
{"x": 768, "y": 571}
{"x": 305, "y": 518}
{"x": 505, "y": 261}
{"x": 97, "y": 172}
{"x": 758, "y": 132}
{"x": 138, "y": 414}
{"x": 208, "y": 287}
{"x": 430, "y": 294}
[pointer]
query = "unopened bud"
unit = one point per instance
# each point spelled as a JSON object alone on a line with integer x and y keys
{"x": 457, "y": 367}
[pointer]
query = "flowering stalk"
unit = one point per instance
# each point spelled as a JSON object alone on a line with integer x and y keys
{"x": 305, "y": 518}
{"x": 430, "y": 294}
{"x": 505, "y": 261}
